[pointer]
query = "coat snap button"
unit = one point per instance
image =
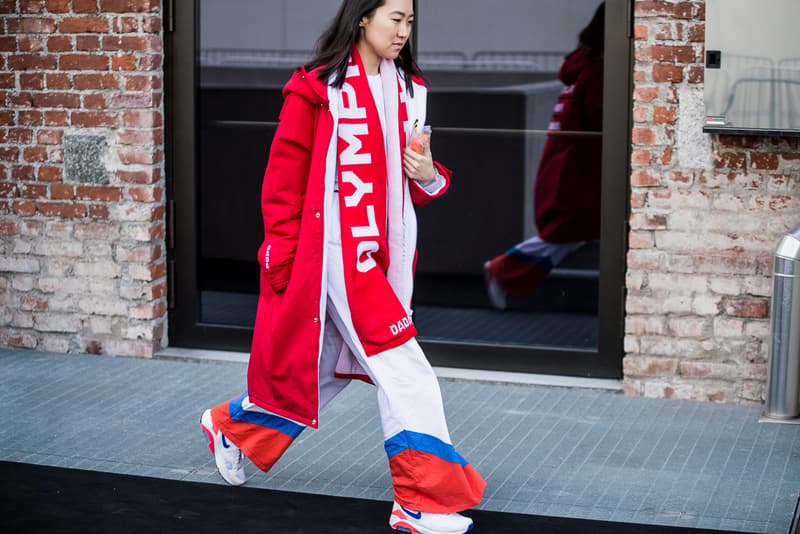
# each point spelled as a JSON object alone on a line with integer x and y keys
{"x": 316, "y": 319}
{"x": 317, "y": 215}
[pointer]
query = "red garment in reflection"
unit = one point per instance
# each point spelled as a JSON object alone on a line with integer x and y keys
{"x": 567, "y": 190}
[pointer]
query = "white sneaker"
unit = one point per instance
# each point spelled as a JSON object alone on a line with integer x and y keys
{"x": 497, "y": 296}
{"x": 229, "y": 457}
{"x": 410, "y": 522}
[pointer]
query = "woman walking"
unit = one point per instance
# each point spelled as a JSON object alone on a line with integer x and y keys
{"x": 337, "y": 264}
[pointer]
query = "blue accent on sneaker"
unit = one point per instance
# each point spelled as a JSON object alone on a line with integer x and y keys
{"x": 542, "y": 261}
{"x": 414, "y": 515}
{"x": 417, "y": 441}
{"x": 275, "y": 422}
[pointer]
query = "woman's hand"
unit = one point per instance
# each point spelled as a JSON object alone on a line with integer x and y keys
{"x": 419, "y": 166}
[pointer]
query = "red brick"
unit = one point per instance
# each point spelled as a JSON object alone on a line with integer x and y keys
{"x": 84, "y": 25}
{"x": 31, "y": 6}
{"x": 680, "y": 10}
{"x": 32, "y": 61}
{"x": 640, "y": 32}
{"x": 9, "y": 153}
{"x": 128, "y": 6}
{"x": 57, "y": 6}
{"x": 8, "y": 44}
{"x": 83, "y": 62}
{"x": 8, "y": 190}
{"x": 61, "y": 209}
{"x": 696, "y": 33}
{"x": 7, "y": 6}
{"x": 151, "y": 24}
{"x": 126, "y": 25}
{"x": 123, "y": 62}
{"x": 667, "y": 73}
{"x": 644, "y": 179}
{"x": 20, "y": 136}
{"x": 764, "y": 161}
{"x": 664, "y": 115}
{"x": 697, "y": 74}
{"x": 56, "y": 118}
{"x": 101, "y": 193}
{"x": 7, "y": 80}
{"x": 51, "y": 174}
{"x": 645, "y": 94}
{"x": 36, "y": 304}
{"x": 93, "y": 119}
{"x": 99, "y": 212}
{"x": 640, "y": 157}
{"x": 30, "y": 25}
{"x": 94, "y": 101}
{"x": 31, "y": 43}
{"x": 96, "y": 81}
{"x": 730, "y": 160}
{"x": 21, "y": 100}
{"x": 56, "y": 100}
{"x": 62, "y": 192}
{"x": 141, "y": 119}
{"x": 134, "y": 156}
{"x": 50, "y": 137}
{"x": 748, "y": 308}
{"x": 58, "y": 81}
{"x": 23, "y": 172}
{"x": 150, "y": 62}
{"x": 87, "y": 43}
{"x": 643, "y": 136}
{"x": 138, "y": 177}
{"x": 8, "y": 228}
{"x": 142, "y": 83}
{"x": 84, "y": 6}
{"x": 35, "y": 154}
{"x": 6, "y": 117}
{"x": 667, "y": 53}
{"x": 146, "y": 194}
{"x": 139, "y": 99}
{"x": 136, "y": 137}
{"x": 641, "y": 114}
{"x": 129, "y": 43}
{"x": 59, "y": 43}
{"x": 24, "y": 208}
{"x": 33, "y": 191}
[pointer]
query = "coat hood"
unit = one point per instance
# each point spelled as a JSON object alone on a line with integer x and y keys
{"x": 575, "y": 63}
{"x": 307, "y": 85}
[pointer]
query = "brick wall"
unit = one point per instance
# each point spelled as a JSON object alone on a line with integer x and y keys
{"x": 707, "y": 212}
{"x": 82, "y": 176}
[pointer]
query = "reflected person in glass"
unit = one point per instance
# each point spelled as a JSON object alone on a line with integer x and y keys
{"x": 567, "y": 188}
{"x": 337, "y": 263}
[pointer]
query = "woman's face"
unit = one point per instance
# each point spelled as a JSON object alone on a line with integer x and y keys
{"x": 386, "y": 33}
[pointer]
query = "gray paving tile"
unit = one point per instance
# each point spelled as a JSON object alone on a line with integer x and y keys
{"x": 548, "y": 451}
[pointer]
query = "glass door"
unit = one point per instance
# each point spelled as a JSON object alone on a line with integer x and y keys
{"x": 493, "y": 80}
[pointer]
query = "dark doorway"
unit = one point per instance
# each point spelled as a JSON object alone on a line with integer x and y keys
{"x": 490, "y": 105}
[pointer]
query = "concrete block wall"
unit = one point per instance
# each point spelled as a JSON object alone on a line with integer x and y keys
{"x": 82, "y": 218}
{"x": 707, "y": 212}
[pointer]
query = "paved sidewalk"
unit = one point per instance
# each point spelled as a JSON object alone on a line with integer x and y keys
{"x": 543, "y": 450}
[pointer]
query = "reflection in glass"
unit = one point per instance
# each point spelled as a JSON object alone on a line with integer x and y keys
{"x": 493, "y": 78}
{"x": 754, "y": 82}
{"x": 493, "y": 102}
{"x": 247, "y": 51}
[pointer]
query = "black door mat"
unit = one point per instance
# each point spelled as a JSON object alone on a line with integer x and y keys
{"x": 42, "y": 499}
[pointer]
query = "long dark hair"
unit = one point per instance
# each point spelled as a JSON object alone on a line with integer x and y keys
{"x": 333, "y": 48}
{"x": 594, "y": 34}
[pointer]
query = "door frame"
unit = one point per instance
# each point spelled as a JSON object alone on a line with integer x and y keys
{"x": 186, "y": 329}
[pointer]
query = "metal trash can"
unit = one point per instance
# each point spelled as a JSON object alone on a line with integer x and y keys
{"x": 783, "y": 382}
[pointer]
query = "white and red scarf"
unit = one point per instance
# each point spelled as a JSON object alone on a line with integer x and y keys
{"x": 374, "y": 204}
